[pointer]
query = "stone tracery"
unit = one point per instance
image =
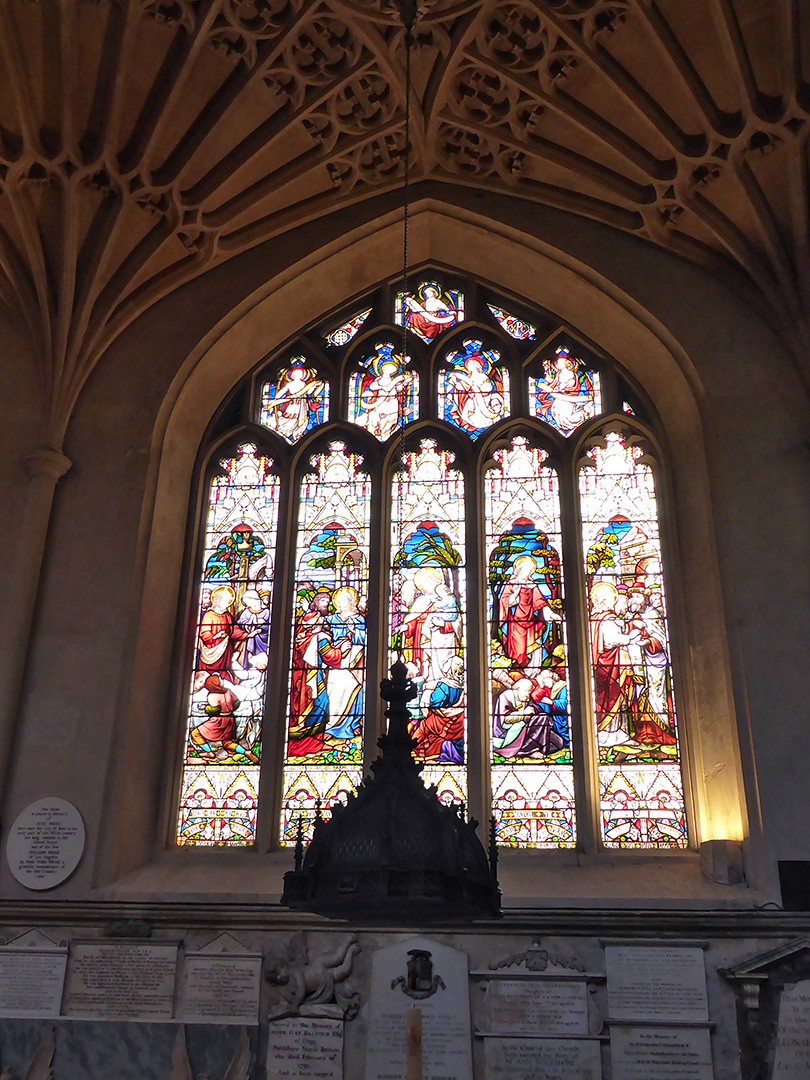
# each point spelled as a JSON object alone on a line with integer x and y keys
{"x": 142, "y": 142}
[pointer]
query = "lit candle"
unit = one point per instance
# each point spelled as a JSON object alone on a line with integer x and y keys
{"x": 413, "y": 1018}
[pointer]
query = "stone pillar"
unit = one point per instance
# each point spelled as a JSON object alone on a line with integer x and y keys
{"x": 44, "y": 468}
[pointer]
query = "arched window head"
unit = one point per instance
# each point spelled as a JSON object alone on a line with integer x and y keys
{"x": 478, "y": 501}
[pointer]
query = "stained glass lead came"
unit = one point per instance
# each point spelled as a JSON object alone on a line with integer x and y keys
{"x": 346, "y": 331}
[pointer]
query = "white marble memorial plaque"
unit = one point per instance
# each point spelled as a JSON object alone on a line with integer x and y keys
{"x": 419, "y": 974}
{"x": 305, "y": 1048}
{"x": 663, "y": 1053}
{"x": 537, "y": 1007}
{"x": 792, "y": 1059}
{"x": 543, "y": 1059}
{"x": 121, "y": 982}
{"x": 221, "y": 984}
{"x": 45, "y": 843}
{"x": 32, "y": 977}
{"x": 656, "y": 983}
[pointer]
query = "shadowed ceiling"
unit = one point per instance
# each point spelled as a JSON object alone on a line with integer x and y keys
{"x": 142, "y": 141}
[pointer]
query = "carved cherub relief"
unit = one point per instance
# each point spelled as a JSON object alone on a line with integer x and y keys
{"x": 313, "y": 985}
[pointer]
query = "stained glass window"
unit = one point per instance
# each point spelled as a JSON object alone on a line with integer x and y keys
{"x": 514, "y": 326}
{"x": 428, "y": 600}
{"x": 429, "y": 310}
{"x": 326, "y": 705}
{"x": 530, "y": 725}
{"x": 295, "y": 402}
{"x": 383, "y": 393}
{"x": 473, "y": 388}
{"x": 346, "y": 331}
{"x": 220, "y": 784}
{"x": 496, "y": 552}
{"x": 567, "y": 394}
{"x": 640, "y": 784}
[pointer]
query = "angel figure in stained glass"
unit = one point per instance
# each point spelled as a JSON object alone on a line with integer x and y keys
{"x": 566, "y": 397}
{"x": 382, "y": 394}
{"x": 474, "y": 396}
{"x": 429, "y": 311}
{"x": 295, "y": 404}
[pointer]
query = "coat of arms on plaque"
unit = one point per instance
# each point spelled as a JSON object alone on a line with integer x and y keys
{"x": 420, "y": 981}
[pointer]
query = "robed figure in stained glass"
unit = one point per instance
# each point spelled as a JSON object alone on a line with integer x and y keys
{"x": 429, "y": 310}
{"x": 382, "y": 394}
{"x": 568, "y": 395}
{"x": 326, "y": 700}
{"x": 429, "y": 635}
{"x": 229, "y": 681}
{"x": 473, "y": 389}
{"x": 295, "y": 403}
{"x": 525, "y": 579}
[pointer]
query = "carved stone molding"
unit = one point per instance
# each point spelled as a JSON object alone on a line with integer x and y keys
{"x": 169, "y": 135}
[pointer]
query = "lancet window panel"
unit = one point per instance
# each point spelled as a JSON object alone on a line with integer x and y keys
{"x": 640, "y": 778}
{"x": 327, "y": 684}
{"x": 530, "y": 725}
{"x": 478, "y": 499}
{"x": 219, "y": 788}
{"x": 428, "y": 607}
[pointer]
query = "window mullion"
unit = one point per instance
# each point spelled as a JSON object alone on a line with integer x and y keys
{"x": 586, "y": 781}
{"x": 479, "y": 790}
{"x": 274, "y": 723}
{"x": 377, "y": 619}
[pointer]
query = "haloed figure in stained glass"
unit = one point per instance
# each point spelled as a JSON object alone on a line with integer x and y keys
{"x": 430, "y": 635}
{"x": 569, "y": 393}
{"x": 429, "y": 311}
{"x": 329, "y": 644}
{"x": 530, "y": 707}
{"x": 381, "y": 396}
{"x": 295, "y": 403}
{"x": 328, "y": 666}
{"x": 231, "y": 665}
{"x": 473, "y": 389}
{"x": 631, "y": 669}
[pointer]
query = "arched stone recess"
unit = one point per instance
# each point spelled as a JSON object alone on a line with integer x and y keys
{"x": 135, "y": 818}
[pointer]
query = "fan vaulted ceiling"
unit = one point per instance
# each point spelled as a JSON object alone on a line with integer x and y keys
{"x": 142, "y": 141}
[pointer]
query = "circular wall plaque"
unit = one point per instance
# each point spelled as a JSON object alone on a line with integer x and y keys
{"x": 45, "y": 843}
